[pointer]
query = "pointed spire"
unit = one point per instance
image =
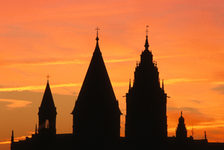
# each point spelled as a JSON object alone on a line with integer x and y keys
{"x": 205, "y": 135}
{"x": 47, "y": 103}
{"x": 97, "y": 49}
{"x": 12, "y": 137}
{"x": 48, "y": 76}
{"x": 146, "y": 41}
{"x": 97, "y": 30}
{"x": 181, "y": 113}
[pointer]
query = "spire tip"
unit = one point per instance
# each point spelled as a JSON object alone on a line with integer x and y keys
{"x": 97, "y": 34}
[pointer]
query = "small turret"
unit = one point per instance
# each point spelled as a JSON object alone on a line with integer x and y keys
{"x": 47, "y": 113}
{"x": 181, "y": 132}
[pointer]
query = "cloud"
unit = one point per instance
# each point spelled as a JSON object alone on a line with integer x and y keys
{"x": 38, "y": 87}
{"x": 219, "y": 88}
{"x": 182, "y": 80}
{"x": 15, "y": 103}
{"x": 57, "y": 61}
{"x": 5, "y": 142}
{"x": 196, "y": 101}
{"x": 16, "y": 139}
{"x": 193, "y": 116}
{"x": 119, "y": 60}
{"x": 12, "y": 31}
{"x": 42, "y": 62}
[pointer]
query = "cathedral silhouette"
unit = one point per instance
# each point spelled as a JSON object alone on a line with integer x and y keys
{"x": 96, "y": 114}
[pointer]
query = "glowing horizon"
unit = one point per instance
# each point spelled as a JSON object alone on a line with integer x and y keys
{"x": 58, "y": 38}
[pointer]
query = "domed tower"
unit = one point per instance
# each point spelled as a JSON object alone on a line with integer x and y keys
{"x": 181, "y": 132}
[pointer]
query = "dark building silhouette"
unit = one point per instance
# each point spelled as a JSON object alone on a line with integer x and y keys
{"x": 146, "y": 102}
{"x": 181, "y": 132}
{"x": 47, "y": 113}
{"x": 96, "y": 115}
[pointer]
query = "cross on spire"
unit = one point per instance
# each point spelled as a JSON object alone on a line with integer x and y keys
{"x": 146, "y": 41}
{"x": 147, "y": 30}
{"x": 97, "y": 30}
{"x": 48, "y": 76}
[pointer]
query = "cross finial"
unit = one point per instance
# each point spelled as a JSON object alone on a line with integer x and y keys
{"x": 97, "y": 30}
{"x": 147, "y": 30}
{"x": 48, "y": 76}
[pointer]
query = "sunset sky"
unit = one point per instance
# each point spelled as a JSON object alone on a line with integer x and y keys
{"x": 57, "y": 37}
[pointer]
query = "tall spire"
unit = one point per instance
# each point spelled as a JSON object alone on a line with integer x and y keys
{"x": 205, "y": 135}
{"x": 146, "y": 40}
{"x": 47, "y": 102}
{"x": 97, "y": 49}
{"x": 96, "y": 97}
{"x": 48, "y": 76}
{"x": 47, "y": 113}
{"x": 97, "y": 30}
{"x": 12, "y": 137}
{"x": 181, "y": 132}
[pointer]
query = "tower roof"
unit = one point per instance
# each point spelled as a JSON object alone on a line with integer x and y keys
{"x": 97, "y": 88}
{"x": 146, "y": 43}
{"x": 47, "y": 103}
{"x": 181, "y": 119}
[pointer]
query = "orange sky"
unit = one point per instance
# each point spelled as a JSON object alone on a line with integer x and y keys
{"x": 58, "y": 38}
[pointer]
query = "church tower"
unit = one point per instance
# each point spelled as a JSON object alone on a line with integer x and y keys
{"x": 146, "y": 102}
{"x": 96, "y": 115}
{"x": 47, "y": 113}
{"x": 181, "y": 132}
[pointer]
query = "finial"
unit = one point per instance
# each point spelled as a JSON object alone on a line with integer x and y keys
{"x": 146, "y": 41}
{"x": 147, "y": 30}
{"x": 181, "y": 113}
{"x": 97, "y": 30}
{"x": 12, "y": 137}
{"x": 48, "y": 76}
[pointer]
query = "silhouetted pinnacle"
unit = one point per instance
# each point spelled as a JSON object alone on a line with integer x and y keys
{"x": 97, "y": 49}
{"x": 47, "y": 103}
{"x": 12, "y": 137}
{"x": 146, "y": 43}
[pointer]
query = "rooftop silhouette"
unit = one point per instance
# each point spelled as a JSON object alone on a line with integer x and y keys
{"x": 96, "y": 114}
